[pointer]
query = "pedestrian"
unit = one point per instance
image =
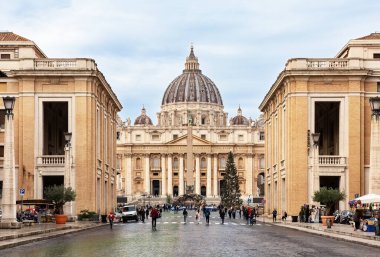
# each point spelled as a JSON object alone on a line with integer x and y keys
{"x": 184, "y": 215}
{"x": 147, "y": 213}
{"x": 207, "y": 215}
{"x": 111, "y": 217}
{"x": 274, "y": 213}
{"x": 230, "y": 212}
{"x": 142, "y": 214}
{"x": 283, "y": 218}
{"x": 222, "y": 213}
{"x": 154, "y": 215}
{"x": 233, "y": 213}
{"x": 197, "y": 216}
{"x": 356, "y": 218}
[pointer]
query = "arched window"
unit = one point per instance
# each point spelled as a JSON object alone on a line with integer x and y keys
{"x": 138, "y": 164}
{"x": 156, "y": 163}
{"x": 203, "y": 163}
{"x": 203, "y": 120}
{"x": 175, "y": 163}
{"x": 240, "y": 163}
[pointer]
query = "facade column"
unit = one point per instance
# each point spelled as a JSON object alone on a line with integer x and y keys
{"x": 181, "y": 176}
{"x": 374, "y": 170}
{"x": 147, "y": 174}
{"x": 197, "y": 175}
{"x": 249, "y": 175}
{"x": 163, "y": 175}
{"x": 215, "y": 175}
{"x": 208, "y": 185}
{"x": 128, "y": 175}
{"x": 170, "y": 175}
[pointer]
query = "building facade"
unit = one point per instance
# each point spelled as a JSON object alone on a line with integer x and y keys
{"x": 186, "y": 151}
{"x": 329, "y": 96}
{"x": 54, "y": 96}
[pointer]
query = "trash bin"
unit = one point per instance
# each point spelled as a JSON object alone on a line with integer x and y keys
{"x": 104, "y": 218}
{"x": 294, "y": 218}
{"x": 371, "y": 225}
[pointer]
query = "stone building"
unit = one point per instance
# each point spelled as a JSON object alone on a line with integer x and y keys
{"x": 329, "y": 96}
{"x": 54, "y": 96}
{"x": 186, "y": 151}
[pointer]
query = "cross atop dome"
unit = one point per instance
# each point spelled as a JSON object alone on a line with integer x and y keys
{"x": 191, "y": 61}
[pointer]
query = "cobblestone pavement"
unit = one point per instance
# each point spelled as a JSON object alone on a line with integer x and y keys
{"x": 174, "y": 238}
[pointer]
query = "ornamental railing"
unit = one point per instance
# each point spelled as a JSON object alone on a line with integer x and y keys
{"x": 328, "y": 160}
{"x": 51, "y": 160}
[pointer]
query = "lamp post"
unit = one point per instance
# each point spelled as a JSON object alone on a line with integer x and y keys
{"x": 67, "y": 176}
{"x": 314, "y": 174}
{"x": 9, "y": 215}
{"x": 374, "y": 170}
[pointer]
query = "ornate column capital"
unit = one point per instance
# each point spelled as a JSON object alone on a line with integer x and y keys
{"x": 128, "y": 155}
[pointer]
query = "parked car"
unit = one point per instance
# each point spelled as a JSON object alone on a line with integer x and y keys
{"x": 129, "y": 212}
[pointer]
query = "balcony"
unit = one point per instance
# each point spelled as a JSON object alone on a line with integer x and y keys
{"x": 51, "y": 161}
{"x": 328, "y": 160}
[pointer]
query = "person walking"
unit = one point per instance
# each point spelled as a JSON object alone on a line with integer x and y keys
{"x": 356, "y": 218}
{"x": 111, "y": 218}
{"x": 142, "y": 214}
{"x": 207, "y": 215}
{"x": 197, "y": 216}
{"x": 147, "y": 213}
{"x": 154, "y": 215}
{"x": 274, "y": 213}
{"x": 222, "y": 214}
{"x": 184, "y": 215}
{"x": 285, "y": 216}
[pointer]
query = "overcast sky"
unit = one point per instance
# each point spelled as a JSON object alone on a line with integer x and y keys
{"x": 141, "y": 46}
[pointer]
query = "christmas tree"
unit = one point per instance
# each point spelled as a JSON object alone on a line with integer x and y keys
{"x": 231, "y": 193}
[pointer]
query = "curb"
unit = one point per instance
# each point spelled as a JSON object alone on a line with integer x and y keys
{"x": 27, "y": 238}
{"x": 338, "y": 236}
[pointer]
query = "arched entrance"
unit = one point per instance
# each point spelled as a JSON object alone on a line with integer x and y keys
{"x": 175, "y": 191}
{"x": 203, "y": 190}
{"x": 156, "y": 187}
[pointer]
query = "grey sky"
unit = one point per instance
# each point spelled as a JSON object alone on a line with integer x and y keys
{"x": 141, "y": 46}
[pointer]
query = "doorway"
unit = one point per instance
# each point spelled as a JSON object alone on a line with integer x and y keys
{"x": 156, "y": 187}
{"x": 203, "y": 190}
{"x": 49, "y": 181}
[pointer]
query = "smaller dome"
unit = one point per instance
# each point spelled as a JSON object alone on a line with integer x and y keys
{"x": 143, "y": 119}
{"x": 239, "y": 119}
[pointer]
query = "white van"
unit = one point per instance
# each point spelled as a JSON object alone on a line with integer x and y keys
{"x": 129, "y": 212}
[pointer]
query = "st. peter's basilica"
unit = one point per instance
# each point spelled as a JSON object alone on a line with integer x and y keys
{"x": 186, "y": 151}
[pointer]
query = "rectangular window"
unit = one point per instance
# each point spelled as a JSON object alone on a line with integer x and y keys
{"x": 175, "y": 136}
{"x": 223, "y": 137}
{"x": 378, "y": 86}
{"x": 138, "y": 137}
{"x": 2, "y": 119}
{"x": 376, "y": 55}
{"x": 5, "y": 56}
{"x": 175, "y": 174}
{"x": 155, "y": 137}
{"x": 1, "y": 151}
{"x": 203, "y": 137}
{"x": 262, "y": 135}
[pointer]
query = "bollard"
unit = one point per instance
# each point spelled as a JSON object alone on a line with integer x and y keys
{"x": 328, "y": 223}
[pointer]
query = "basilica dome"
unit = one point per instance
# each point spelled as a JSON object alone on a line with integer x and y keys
{"x": 143, "y": 119}
{"x": 192, "y": 86}
{"x": 239, "y": 119}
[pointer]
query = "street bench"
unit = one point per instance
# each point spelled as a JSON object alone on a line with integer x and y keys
{"x": 28, "y": 222}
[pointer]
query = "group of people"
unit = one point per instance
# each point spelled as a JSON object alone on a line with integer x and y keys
{"x": 205, "y": 211}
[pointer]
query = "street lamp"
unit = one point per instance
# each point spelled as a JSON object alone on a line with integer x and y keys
{"x": 374, "y": 170}
{"x": 9, "y": 215}
{"x": 67, "y": 176}
{"x": 315, "y": 137}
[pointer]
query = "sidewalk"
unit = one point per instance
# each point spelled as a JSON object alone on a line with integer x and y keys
{"x": 37, "y": 232}
{"x": 337, "y": 231}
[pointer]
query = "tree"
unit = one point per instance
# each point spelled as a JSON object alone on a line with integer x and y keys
{"x": 231, "y": 192}
{"x": 330, "y": 197}
{"x": 59, "y": 195}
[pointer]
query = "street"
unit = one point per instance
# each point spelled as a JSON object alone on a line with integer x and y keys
{"x": 173, "y": 238}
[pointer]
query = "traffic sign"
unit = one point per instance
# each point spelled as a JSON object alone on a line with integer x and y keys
{"x": 22, "y": 191}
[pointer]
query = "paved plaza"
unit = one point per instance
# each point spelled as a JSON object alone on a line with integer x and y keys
{"x": 174, "y": 238}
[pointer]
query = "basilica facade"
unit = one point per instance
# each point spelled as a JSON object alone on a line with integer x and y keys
{"x": 186, "y": 151}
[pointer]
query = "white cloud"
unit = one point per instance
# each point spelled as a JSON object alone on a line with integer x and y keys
{"x": 140, "y": 46}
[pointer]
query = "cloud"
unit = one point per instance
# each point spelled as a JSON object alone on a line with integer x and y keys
{"x": 140, "y": 46}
